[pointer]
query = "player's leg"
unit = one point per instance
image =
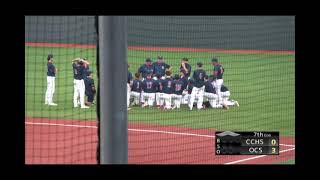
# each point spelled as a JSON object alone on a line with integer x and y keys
{"x": 178, "y": 101}
{"x": 82, "y": 91}
{"x": 151, "y": 99}
{"x": 218, "y": 83}
{"x": 142, "y": 97}
{"x": 200, "y": 97}
{"x": 89, "y": 100}
{"x": 75, "y": 93}
{"x": 158, "y": 99}
{"x": 174, "y": 102}
{"x": 192, "y": 97}
{"x": 49, "y": 86}
{"x": 128, "y": 94}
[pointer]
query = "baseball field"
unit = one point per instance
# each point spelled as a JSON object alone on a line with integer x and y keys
{"x": 262, "y": 82}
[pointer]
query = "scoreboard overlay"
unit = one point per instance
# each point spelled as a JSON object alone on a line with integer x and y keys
{"x": 247, "y": 143}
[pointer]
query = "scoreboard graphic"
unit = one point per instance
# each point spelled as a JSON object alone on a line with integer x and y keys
{"x": 247, "y": 143}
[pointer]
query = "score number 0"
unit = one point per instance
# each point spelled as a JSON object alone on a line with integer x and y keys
{"x": 273, "y": 143}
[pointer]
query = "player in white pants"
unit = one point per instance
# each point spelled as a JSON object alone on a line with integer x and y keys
{"x": 218, "y": 72}
{"x": 178, "y": 86}
{"x": 211, "y": 96}
{"x": 198, "y": 87}
{"x": 159, "y": 93}
{"x": 129, "y": 84}
{"x": 136, "y": 89}
{"x": 149, "y": 87}
{"x": 51, "y": 73}
{"x": 225, "y": 94}
{"x": 79, "y": 66}
{"x": 168, "y": 90}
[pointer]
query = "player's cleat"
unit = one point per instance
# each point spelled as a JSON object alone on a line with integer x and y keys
{"x": 53, "y": 104}
{"x": 85, "y": 107}
{"x": 225, "y": 106}
{"x": 237, "y": 103}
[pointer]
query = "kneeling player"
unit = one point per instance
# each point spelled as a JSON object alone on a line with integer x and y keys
{"x": 136, "y": 89}
{"x": 167, "y": 85}
{"x": 149, "y": 87}
{"x": 178, "y": 86}
{"x": 225, "y": 94}
{"x": 210, "y": 94}
{"x": 90, "y": 88}
{"x": 159, "y": 92}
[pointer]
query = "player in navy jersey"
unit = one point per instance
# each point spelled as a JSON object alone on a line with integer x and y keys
{"x": 198, "y": 86}
{"x": 79, "y": 66}
{"x": 149, "y": 87}
{"x": 225, "y": 94}
{"x": 184, "y": 79}
{"x": 168, "y": 90}
{"x": 90, "y": 89}
{"x": 218, "y": 72}
{"x": 211, "y": 96}
{"x": 51, "y": 75}
{"x": 160, "y": 67}
{"x": 178, "y": 86}
{"x": 185, "y": 68}
{"x": 129, "y": 84}
{"x": 146, "y": 68}
{"x": 159, "y": 92}
{"x": 136, "y": 89}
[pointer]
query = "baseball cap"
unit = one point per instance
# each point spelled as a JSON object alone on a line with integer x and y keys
{"x": 199, "y": 64}
{"x": 160, "y": 57}
{"x": 50, "y": 56}
{"x": 214, "y": 59}
{"x": 148, "y": 60}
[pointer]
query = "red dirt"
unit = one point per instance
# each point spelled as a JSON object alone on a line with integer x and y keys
{"x": 49, "y": 144}
{"x": 166, "y": 49}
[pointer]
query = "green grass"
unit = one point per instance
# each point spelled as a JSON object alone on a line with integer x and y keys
{"x": 292, "y": 161}
{"x": 263, "y": 84}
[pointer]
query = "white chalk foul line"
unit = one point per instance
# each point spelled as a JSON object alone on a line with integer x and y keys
{"x": 136, "y": 130}
{"x": 256, "y": 157}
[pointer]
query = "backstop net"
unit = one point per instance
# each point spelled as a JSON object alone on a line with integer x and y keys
{"x": 169, "y": 120}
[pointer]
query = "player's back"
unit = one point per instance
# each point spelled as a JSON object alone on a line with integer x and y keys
{"x": 136, "y": 85}
{"x": 178, "y": 87}
{"x": 209, "y": 87}
{"x": 198, "y": 77}
{"x": 160, "y": 85}
{"x": 168, "y": 86}
{"x": 78, "y": 71}
{"x": 51, "y": 70}
{"x": 89, "y": 82}
{"x": 149, "y": 86}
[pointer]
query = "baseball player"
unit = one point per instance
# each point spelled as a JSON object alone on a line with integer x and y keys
{"x": 178, "y": 86}
{"x": 198, "y": 86}
{"x": 168, "y": 89}
{"x": 185, "y": 68}
{"x": 225, "y": 94}
{"x": 51, "y": 75}
{"x": 184, "y": 79}
{"x": 129, "y": 84}
{"x": 159, "y": 92}
{"x": 79, "y": 66}
{"x": 146, "y": 68}
{"x": 218, "y": 72}
{"x": 149, "y": 87}
{"x": 211, "y": 96}
{"x": 136, "y": 89}
{"x": 160, "y": 67}
{"x": 90, "y": 89}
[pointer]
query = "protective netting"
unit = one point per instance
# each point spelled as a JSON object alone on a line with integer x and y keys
{"x": 59, "y": 128}
{"x": 257, "y": 54}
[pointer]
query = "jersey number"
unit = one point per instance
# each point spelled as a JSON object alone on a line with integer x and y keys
{"x": 200, "y": 76}
{"x": 178, "y": 87}
{"x": 169, "y": 84}
{"x": 149, "y": 85}
{"x": 138, "y": 85}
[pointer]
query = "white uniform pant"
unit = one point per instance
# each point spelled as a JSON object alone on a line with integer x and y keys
{"x": 50, "y": 89}
{"x": 79, "y": 90}
{"x": 136, "y": 97}
{"x": 159, "y": 99}
{"x": 128, "y": 94}
{"x": 149, "y": 98}
{"x": 212, "y": 98}
{"x": 217, "y": 85}
{"x": 167, "y": 100}
{"x": 196, "y": 92}
{"x": 176, "y": 100}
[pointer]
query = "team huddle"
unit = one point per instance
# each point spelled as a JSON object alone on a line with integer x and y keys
{"x": 154, "y": 85}
{"x": 83, "y": 83}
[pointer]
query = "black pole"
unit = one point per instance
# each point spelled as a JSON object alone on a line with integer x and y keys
{"x": 113, "y": 92}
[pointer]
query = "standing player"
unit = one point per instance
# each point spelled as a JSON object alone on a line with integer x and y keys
{"x": 225, "y": 94}
{"x": 146, "y": 69}
{"x": 90, "y": 88}
{"x": 198, "y": 86}
{"x": 218, "y": 71}
{"x": 184, "y": 79}
{"x": 178, "y": 86}
{"x": 79, "y": 66}
{"x": 51, "y": 75}
{"x": 149, "y": 87}
{"x": 185, "y": 68}
{"x": 160, "y": 67}
{"x": 159, "y": 92}
{"x": 136, "y": 89}
{"x": 167, "y": 85}
{"x": 129, "y": 84}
